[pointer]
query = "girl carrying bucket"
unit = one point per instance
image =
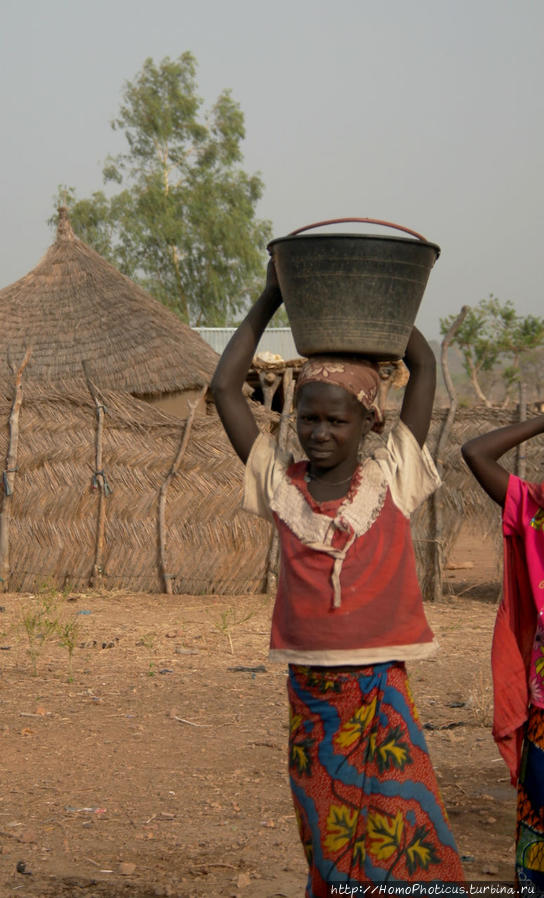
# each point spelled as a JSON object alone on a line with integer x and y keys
{"x": 518, "y": 640}
{"x": 348, "y": 610}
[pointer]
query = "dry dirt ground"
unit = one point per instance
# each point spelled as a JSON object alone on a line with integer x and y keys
{"x": 158, "y": 767}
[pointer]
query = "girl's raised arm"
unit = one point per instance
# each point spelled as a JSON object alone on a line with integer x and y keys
{"x": 417, "y": 405}
{"x": 481, "y": 454}
{"x": 230, "y": 374}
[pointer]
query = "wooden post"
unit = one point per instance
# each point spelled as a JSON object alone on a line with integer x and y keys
{"x": 100, "y": 483}
{"x": 273, "y": 552}
{"x": 9, "y": 474}
{"x": 446, "y": 427}
{"x": 163, "y": 571}
{"x": 434, "y": 545}
{"x": 269, "y": 384}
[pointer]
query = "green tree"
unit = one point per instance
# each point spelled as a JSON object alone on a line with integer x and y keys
{"x": 183, "y": 223}
{"x": 532, "y": 373}
{"x": 493, "y": 337}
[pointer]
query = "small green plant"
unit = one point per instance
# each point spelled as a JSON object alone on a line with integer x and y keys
{"x": 68, "y": 635}
{"x": 44, "y": 618}
{"x": 147, "y": 640}
{"x": 40, "y": 624}
{"x": 228, "y": 619}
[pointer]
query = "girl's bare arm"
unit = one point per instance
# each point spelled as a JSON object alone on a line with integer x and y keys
{"x": 230, "y": 374}
{"x": 481, "y": 454}
{"x": 418, "y": 400}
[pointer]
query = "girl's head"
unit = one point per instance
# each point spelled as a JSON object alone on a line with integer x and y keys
{"x": 359, "y": 377}
{"x": 336, "y": 407}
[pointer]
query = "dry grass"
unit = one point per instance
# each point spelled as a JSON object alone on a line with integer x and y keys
{"x": 480, "y": 699}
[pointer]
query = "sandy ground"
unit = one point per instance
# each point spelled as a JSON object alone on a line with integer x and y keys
{"x": 157, "y": 766}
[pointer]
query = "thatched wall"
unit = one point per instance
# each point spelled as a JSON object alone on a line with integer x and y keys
{"x": 212, "y": 547}
{"x": 462, "y": 500}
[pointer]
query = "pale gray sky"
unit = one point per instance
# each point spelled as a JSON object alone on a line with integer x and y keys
{"x": 427, "y": 113}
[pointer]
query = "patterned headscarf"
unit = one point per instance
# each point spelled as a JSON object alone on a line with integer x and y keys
{"x": 359, "y": 377}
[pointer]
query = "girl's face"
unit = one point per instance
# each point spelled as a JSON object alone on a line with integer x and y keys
{"x": 331, "y": 424}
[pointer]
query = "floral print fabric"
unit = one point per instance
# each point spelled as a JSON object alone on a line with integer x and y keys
{"x": 537, "y": 660}
{"x": 530, "y": 814}
{"x": 366, "y": 798}
{"x": 359, "y": 377}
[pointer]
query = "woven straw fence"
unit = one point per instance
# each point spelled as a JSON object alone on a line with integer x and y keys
{"x": 53, "y": 523}
{"x": 211, "y": 546}
{"x": 462, "y": 500}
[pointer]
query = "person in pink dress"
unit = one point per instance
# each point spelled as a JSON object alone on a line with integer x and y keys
{"x": 518, "y": 640}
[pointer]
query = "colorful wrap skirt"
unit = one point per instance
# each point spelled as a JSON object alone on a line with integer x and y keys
{"x": 366, "y": 798}
{"x": 530, "y": 814}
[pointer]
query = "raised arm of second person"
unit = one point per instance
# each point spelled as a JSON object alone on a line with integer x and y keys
{"x": 230, "y": 375}
{"x": 417, "y": 405}
{"x": 481, "y": 454}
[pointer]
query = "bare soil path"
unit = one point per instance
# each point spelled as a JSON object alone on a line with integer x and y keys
{"x": 159, "y": 766}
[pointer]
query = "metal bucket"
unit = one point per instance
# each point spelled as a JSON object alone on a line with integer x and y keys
{"x": 352, "y": 293}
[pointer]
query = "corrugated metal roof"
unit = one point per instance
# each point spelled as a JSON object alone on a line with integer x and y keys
{"x": 278, "y": 340}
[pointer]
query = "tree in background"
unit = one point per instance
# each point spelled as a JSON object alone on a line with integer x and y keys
{"x": 494, "y": 338}
{"x": 532, "y": 372}
{"x": 183, "y": 225}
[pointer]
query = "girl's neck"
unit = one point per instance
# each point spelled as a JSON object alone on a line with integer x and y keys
{"x": 326, "y": 486}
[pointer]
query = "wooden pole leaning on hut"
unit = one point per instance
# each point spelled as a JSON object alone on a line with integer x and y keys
{"x": 9, "y": 473}
{"x": 99, "y": 482}
{"x": 273, "y": 552}
{"x": 163, "y": 570}
{"x": 434, "y": 566}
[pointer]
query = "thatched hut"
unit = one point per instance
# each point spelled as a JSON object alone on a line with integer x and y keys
{"x": 100, "y": 487}
{"x": 75, "y": 308}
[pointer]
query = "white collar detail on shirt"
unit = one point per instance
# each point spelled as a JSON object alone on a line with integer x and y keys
{"x": 355, "y": 516}
{"x": 358, "y": 512}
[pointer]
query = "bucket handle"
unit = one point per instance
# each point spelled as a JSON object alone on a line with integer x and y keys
{"x": 387, "y": 224}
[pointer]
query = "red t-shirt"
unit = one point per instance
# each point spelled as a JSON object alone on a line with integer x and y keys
{"x": 347, "y": 589}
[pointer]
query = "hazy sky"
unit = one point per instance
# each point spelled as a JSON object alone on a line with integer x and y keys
{"x": 427, "y": 113}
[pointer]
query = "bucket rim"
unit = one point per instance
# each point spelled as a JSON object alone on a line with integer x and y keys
{"x": 390, "y": 238}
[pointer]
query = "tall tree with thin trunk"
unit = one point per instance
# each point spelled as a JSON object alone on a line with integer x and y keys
{"x": 494, "y": 337}
{"x": 184, "y": 222}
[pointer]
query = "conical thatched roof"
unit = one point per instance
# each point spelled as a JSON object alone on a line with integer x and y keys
{"x": 75, "y": 307}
